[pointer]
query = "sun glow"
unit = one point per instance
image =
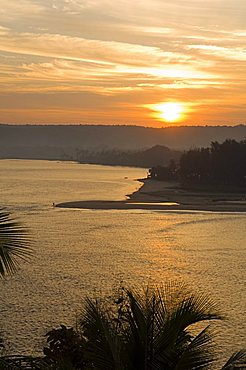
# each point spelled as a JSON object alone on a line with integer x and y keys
{"x": 169, "y": 112}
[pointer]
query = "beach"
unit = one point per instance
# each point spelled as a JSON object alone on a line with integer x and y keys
{"x": 163, "y": 195}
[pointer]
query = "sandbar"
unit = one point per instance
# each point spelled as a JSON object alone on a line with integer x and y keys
{"x": 163, "y": 196}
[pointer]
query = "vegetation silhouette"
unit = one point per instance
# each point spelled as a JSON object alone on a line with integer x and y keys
{"x": 158, "y": 328}
{"x": 65, "y": 350}
{"x": 220, "y": 164}
{"x": 15, "y": 244}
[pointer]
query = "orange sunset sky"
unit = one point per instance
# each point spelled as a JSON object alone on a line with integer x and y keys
{"x": 143, "y": 62}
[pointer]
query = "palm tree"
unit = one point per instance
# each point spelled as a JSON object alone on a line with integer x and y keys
{"x": 14, "y": 243}
{"x": 161, "y": 328}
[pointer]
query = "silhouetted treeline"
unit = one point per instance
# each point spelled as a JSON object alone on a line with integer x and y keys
{"x": 158, "y": 154}
{"x": 220, "y": 164}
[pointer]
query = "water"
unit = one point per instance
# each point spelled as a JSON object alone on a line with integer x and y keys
{"x": 89, "y": 252}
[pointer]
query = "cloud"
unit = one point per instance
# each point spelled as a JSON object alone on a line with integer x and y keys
{"x": 4, "y": 31}
{"x": 131, "y": 52}
{"x": 78, "y": 48}
{"x": 236, "y": 53}
{"x": 97, "y": 58}
{"x": 17, "y": 9}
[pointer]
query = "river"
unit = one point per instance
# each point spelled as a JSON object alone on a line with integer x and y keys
{"x": 90, "y": 252}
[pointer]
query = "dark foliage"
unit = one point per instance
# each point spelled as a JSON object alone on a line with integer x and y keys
{"x": 221, "y": 164}
{"x": 153, "y": 329}
{"x": 14, "y": 243}
{"x": 65, "y": 349}
{"x": 165, "y": 173}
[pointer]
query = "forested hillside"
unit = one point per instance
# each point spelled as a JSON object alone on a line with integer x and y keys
{"x": 64, "y": 141}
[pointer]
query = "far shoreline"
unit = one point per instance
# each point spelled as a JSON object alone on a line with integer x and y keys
{"x": 167, "y": 196}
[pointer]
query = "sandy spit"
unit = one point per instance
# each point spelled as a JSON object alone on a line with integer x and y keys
{"x": 163, "y": 196}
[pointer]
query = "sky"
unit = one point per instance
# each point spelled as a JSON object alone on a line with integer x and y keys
{"x": 140, "y": 62}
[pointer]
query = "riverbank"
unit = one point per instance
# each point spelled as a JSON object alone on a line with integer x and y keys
{"x": 160, "y": 195}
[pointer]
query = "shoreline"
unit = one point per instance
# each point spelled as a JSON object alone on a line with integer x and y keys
{"x": 167, "y": 196}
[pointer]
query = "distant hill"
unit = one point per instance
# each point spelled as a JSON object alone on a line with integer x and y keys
{"x": 64, "y": 141}
{"x": 157, "y": 155}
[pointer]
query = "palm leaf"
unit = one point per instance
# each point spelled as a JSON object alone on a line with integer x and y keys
{"x": 173, "y": 324}
{"x": 159, "y": 327}
{"x": 104, "y": 347}
{"x": 236, "y": 361}
{"x": 198, "y": 354}
{"x": 14, "y": 243}
{"x": 138, "y": 333}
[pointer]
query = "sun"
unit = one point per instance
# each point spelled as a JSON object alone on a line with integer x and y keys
{"x": 170, "y": 112}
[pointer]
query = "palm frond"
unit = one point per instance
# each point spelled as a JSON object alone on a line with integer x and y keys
{"x": 185, "y": 309}
{"x": 198, "y": 354}
{"x": 14, "y": 243}
{"x": 159, "y": 326}
{"x": 164, "y": 327}
{"x": 236, "y": 361}
{"x": 138, "y": 331}
{"x": 104, "y": 345}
